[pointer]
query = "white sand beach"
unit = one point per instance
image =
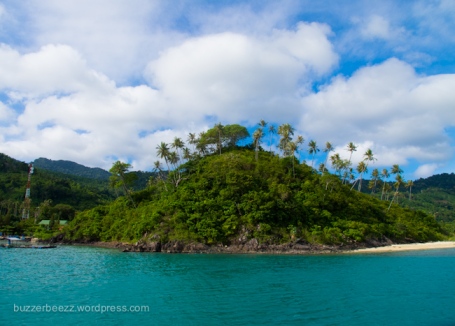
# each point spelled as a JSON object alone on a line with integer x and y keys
{"x": 406, "y": 247}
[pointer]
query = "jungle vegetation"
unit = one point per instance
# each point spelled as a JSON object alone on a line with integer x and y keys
{"x": 214, "y": 190}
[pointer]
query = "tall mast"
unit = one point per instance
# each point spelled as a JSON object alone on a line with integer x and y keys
{"x": 26, "y": 210}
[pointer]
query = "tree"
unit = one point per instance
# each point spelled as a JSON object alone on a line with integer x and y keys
{"x": 286, "y": 131}
{"x": 293, "y": 147}
{"x": 361, "y": 169}
{"x": 374, "y": 178}
{"x": 312, "y": 149}
{"x": 162, "y": 151}
{"x": 385, "y": 174}
{"x": 328, "y": 148}
{"x": 121, "y": 178}
{"x": 178, "y": 144}
{"x": 192, "y": 140}
{"x": 398, "y": 182}
{"x": 368, "y": 156}
{"x": 351, "y": 148}
{"x": 233, "y": 134}
{"x": 409, "y": 185}
{"x": 257, "y": 135}
{"x": 219, "y": 130}
{"x": 272, "y": 131}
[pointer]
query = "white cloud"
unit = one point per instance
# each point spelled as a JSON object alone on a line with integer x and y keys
{"x": 390, "y": 105}
{"x": 376, "y": 27}
{"x": 52, "y": 69}
{"x": 236, "y": 77}
{"x": 425, "y": 170}
{"x": 6, "y": 114}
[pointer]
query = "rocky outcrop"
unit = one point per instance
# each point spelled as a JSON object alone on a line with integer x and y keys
{"x": 299, "y": 246}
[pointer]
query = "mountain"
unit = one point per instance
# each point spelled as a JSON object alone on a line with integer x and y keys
{"x": 69, "y": 189}
{"x": 71, "y": 168}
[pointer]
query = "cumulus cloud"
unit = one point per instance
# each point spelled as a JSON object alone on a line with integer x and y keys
{"x": 52, "y": 69}
{"x": 425, "y": 170}
{"x": 73, "y": 112}
{"x": 236, "y": 77}
{"x": 403, "y": 113}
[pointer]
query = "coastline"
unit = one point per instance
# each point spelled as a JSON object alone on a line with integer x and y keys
{"x": 253, "y": 247}
{"x": 405, "y": 247}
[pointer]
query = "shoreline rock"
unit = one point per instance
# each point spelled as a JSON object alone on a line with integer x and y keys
{"x": 251, "y": 246}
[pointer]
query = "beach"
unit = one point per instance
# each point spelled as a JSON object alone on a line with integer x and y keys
{"x": 407, "y": 247}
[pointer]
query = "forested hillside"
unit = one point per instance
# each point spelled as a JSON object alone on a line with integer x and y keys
{"x": 234, "y": 197}
{"x": 220, "y": 192}
{"x": 71, "y": 168}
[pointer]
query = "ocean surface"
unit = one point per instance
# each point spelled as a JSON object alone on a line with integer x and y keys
{"x": 94, "y": 286}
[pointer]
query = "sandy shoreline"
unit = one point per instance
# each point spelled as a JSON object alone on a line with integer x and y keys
{"x": 406, "y": 247}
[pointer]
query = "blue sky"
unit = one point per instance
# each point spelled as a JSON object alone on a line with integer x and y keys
{"x": 95, "y": 81}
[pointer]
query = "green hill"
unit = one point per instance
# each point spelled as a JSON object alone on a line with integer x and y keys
{"x": 232, "y": 198}
{"x": 71, "y": 168}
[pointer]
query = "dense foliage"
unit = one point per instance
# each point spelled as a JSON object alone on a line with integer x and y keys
{"x": 53, "y": 195}
{"x": 233, "y": 196}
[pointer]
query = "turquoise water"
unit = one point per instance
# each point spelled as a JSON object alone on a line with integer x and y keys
{"x": 408, "y": 288}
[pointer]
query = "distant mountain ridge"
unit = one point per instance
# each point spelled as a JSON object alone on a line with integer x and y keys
{"x": 71, "y": 168}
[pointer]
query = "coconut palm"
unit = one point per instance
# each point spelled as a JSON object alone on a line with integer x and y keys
{"x": 398, "y": 182}
{"x": 192, "y": 140}
{"x": 293, "y": 147}
{"x": 409, "y": 185}
{"x": 351, "y": 148}
{"x": 369, "y": 156}
{"x": 286, "y": 131}
{"x": 162, "y": 151}
{"x": 178, "y": 144}
{"x": 328, "y": 148}
{"x": 257, "y": 135}
{"x": 262, "y": 124}
{"x": 272, "y": 131}
{"x": 385, "y": 174}
{"x": 312, "y": 149}
{"x": 374, "y": 179}
{"x": 361, "y": 169}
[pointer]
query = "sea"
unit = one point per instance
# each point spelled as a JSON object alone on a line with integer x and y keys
{"x": 76, "y": 285}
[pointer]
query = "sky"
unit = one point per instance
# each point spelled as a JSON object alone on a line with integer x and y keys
{"x": 95, "y": 81}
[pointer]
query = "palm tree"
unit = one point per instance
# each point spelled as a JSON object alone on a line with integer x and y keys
{"x": 374, "y": 178}
{"x": 257, "y": 135}
{"x": 272, "y": 131}
{"x": 292, "y": 148}
{"x": 157, "y": 169}
{"x": 312, "y": 149}
{"x": 192, "y": 140}
{"x": 351, "y": 148}
{"x": 361, "y": 169}
{"x": 186, "y": 153}
{"x": 286, "y": 131}
{"x": 335, "y": 161}
{"x": 409, "y": 185}
{"x": 385, "y": 174}
{"x": 162, "y": 151}
{"x": 262, "y": 124}
{"x": 178, "y": 144}
{"x": 398, "y": 182}
{"x": 369, "y": 156}
{"x": 328, "y": 148}
{"x": 396, "y": 169}
{"x": 300, "y": 140}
